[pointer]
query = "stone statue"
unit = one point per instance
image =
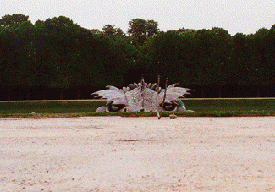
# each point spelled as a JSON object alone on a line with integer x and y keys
{"x": 143, "y": 97}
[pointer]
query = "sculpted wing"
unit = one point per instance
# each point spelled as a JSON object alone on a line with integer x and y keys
{"x": 113, "y": 94}
{"x": 173, "y": 93}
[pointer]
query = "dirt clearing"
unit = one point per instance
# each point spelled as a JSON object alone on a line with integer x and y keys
{"x": 137, "y": 154}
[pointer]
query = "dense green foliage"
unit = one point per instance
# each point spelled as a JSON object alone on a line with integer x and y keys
{"x": 59, "y": 54}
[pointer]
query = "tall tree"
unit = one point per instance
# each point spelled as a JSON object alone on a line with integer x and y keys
{"x": 261, "y": 63}
{"x": 140, "y": 30}
{"x": 119, "y": 33}
{"x": 70, "y": 56}
{"x": 17, "y": 61}
{"x": 109, "y": 30}
{"x": 169, "y": 54}
{"x": 13, "y": 20}
{"x": 214, "y": 47}
{"x": 265, "y": 46}
{"x": 56, "y": 52}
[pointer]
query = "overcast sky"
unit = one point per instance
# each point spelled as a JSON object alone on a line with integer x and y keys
{"x": 244, "y": 16}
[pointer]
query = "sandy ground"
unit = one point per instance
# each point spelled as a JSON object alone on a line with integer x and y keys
{"x": 137, "y": 154}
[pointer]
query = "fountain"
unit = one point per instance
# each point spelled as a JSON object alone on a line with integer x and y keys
{"x": 143, "y": 97}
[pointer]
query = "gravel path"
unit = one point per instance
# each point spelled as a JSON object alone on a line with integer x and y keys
{"x": 137, "y": 154}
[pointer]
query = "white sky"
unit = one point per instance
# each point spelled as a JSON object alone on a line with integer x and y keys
{"x": 244, "y": 16}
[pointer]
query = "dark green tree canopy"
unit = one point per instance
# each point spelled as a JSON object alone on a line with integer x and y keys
{"x": 109, "y": 30}
{"x": 13, "y": 20}
{"x": 59, "y": 54}
{"x": 140, "y": 30}
{"x": 60, "y": 21}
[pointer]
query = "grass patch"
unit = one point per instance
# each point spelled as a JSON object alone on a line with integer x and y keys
{"x": 49, "y": 106}
{"x": 202, "y": 107}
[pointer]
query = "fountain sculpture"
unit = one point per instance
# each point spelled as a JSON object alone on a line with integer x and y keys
{"x": 143, "y": 97}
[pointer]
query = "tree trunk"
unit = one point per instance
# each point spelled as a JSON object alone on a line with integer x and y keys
{"x": 9, "y": 98}
{"x": 27, "y": 94}
{"x": 44, "y": 94}
{"x": 78, "y": 93}
{"x": 61, "y": 96}
{"x": 219, "y": 87}
{"x": 258, "y": 91}
{"x": 220, "y": 93}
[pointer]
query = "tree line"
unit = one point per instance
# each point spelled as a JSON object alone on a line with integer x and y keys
{"x": 58, "y": 59}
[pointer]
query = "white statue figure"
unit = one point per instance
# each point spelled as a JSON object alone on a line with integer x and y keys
{"x": 143, "y": 97}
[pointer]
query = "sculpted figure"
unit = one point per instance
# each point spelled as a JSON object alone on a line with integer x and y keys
{"x": 143, "y": 97}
